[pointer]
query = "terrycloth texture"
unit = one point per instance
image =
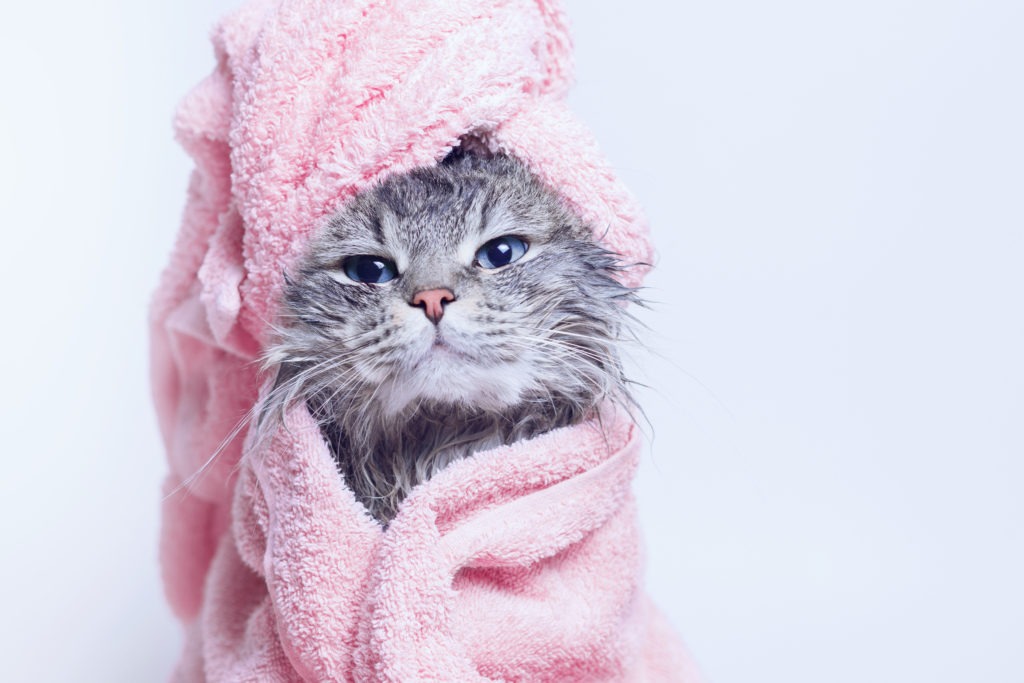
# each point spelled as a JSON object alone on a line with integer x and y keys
{"x": 521, "y": 563}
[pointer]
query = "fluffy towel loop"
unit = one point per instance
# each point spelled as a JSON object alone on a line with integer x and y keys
{"x": 520, "y": 563}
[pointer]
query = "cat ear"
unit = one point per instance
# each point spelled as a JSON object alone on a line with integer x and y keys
{"x": 471, "y": 146}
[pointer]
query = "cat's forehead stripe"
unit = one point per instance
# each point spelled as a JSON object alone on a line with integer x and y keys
{"x": 439, "y": 217}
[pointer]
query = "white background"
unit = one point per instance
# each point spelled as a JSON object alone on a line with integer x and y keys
{"x": 834, "y": 489}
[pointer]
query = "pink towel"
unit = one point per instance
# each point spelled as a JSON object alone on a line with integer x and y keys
{"x": 518, "y": 564}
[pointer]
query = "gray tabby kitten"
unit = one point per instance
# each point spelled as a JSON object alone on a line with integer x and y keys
{"x": 446, "y": 311}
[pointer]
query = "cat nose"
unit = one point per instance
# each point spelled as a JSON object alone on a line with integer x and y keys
{"x": 433, "y": 301}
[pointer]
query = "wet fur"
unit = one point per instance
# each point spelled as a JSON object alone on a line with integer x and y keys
{"x": 522, "y": 350}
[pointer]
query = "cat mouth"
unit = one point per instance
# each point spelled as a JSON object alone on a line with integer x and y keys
{"x": 443, "y": 348}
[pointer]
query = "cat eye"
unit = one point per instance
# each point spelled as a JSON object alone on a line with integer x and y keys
{"x": 373, "y": 270}
{"x": 501, "y": 251}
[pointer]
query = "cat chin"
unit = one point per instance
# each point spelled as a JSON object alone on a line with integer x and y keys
{"x": 444, "y": 377}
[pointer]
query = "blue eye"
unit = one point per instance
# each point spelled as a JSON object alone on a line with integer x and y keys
{"x": 501, "y": 251}
{"x": 370, "y": 269}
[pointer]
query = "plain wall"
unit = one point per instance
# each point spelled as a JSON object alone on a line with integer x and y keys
{"x": 833, "y": 493}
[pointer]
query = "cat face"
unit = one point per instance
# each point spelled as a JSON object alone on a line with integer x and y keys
{"x": 468, "y": 283}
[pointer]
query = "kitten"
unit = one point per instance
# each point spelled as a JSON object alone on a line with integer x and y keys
{"x": 442, "y": 312}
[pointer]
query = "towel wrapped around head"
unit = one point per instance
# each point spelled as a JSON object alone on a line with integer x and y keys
{"x": 518, "y": 564}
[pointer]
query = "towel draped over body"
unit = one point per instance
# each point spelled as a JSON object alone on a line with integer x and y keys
{"x": 521, "y": 563}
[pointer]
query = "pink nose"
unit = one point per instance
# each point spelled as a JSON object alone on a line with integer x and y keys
{"x": 433, "y": 301}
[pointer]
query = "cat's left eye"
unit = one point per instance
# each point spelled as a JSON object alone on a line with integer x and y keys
{"x": 373, "y": 270}
{"x": 501, "y": 251}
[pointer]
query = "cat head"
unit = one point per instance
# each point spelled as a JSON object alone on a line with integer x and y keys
{"x": 468, "y": 283}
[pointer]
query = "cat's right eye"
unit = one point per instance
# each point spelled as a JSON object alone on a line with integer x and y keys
{"x": 369, "y": 269}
